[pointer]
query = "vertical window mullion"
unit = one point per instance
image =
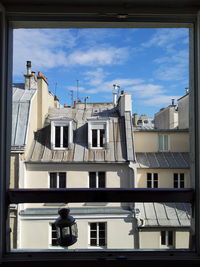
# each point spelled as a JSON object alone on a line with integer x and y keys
{"x": 98, "y": 138}
{"x": 61, "y": 136}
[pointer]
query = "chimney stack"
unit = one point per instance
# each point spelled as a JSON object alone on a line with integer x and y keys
{"x": 30, "y": 78}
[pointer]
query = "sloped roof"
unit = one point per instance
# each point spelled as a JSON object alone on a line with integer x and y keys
{"x": 20, "y": 115}
{"x": 163, "y": 160}
{"x": 164, "y": 214}
{"x": 119, "y": 129}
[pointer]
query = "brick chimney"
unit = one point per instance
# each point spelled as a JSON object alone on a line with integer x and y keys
{"x": 30, "y": 78}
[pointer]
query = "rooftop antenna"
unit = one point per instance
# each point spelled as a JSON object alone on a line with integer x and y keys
{"x": 77, "y": 97}
{"x": 72, "y": 97}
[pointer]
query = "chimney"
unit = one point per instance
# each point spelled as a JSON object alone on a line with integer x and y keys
{"x": 115, "y": 93}
{"x": 30, "y": 78}
{"x": 173, "y": 101}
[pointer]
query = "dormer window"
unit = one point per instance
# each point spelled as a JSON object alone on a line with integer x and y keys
{"x": 61, "y": 134}
{"x": 98, "y": 134}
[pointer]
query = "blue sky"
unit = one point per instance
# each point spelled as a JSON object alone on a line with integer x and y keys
{"x": 151, "y": 64}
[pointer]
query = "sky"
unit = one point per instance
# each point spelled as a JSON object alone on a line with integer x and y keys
{"x": 150, "y": 64}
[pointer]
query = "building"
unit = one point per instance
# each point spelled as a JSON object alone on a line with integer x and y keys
{"x": 94, "y": 145}
{"x": 31, "y": 101}
{"x": 162, "y": 158}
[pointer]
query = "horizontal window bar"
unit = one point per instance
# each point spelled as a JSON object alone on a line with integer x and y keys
{"x": 100, "y": 195}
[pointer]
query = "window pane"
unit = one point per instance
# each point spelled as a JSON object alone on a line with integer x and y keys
{"x": 92, "y": 179}
{"x": 101, "y": 226}
{"x": 182, "y": 180}
{"x": 160, "y": 142}
{"x": 170, "y": 238}
{"x": 163, "y": 238}
{"x": 93, "y": 226}
{"x": 155, "y": 182}
{"x": 149, "y": 180}
{"x": 53, "y": 180}
{"x": 102, "y": 137}
{"x": 175, "y": 180}
{"x": 57, "y": 136}
{"x": 102, "y": 183}
{"x": 94, "y": 138}
{"x": 93, "y": 242}
{"x": 102, "y": 242}
{"x": 166, "y": 142}
{"x": 62, "y": 180}
{"x": 65, "y": 136}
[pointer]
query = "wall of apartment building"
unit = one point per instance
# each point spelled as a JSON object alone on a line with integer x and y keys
{"x": 183, "y": 111}
{"x": 165, "y": 177}
{"x": 40, "y": 238}
{"x": 148, "y": 141}
{"x": 166, "y": 118}
{"x": 151, "y": 239}
{"x": 37, "y": 175}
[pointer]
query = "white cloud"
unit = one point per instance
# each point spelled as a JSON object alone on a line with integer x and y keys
{"x": 97, "y": 56}
{"x": 60, "y": 48}
{"x": 159, "y": 100}
{"x": 167, "y": 38}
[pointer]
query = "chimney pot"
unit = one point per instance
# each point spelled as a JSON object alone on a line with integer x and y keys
{"x": 28, "y": 67}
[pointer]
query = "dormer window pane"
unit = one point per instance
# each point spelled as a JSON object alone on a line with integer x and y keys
{"x": 65, "y": 136}
{"x": 57, "y": 136}
{"x": 102, "y": 137}
{"x": 94, "y": 138}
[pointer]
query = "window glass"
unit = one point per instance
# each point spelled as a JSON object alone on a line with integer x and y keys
{"x": 57, "y": 136}
{"x": 65, "y": 136}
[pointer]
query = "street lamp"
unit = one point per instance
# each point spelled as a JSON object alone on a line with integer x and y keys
{"x": 66, "y": 227}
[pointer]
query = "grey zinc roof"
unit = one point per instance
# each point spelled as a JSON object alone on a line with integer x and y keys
{"x": 163, "y": 160}
{"x": 20, "y": 116}
{"x": 164, "y": 214}
{"x": 119, "y": 129}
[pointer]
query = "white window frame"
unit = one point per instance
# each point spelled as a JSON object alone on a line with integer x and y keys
{"x": 97, "y": 178}
{"x": 144, "y": 17}
{"x": 61, "y": 124}
{"x": 97, "y": 125}
{"x": 162, "y": 147}
{"x": 51, "y": 237}
{"x": 57, "y": 179}
{"x": 179, "y": 179}
{"x": 167, "y": 239}
{"x": 152, "y": 179}
{"x": 89, "y": 235}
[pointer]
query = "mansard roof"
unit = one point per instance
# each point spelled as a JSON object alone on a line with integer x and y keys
{"x": 120, "y": 136}
{"x": 175, "y": 160}
{"x": 20, "y": 115}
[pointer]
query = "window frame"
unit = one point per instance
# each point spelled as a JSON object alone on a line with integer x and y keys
{"x": 61, "y": 124}
{"x": 179, "y": 179}
{"x": 153, "y": 180}
{"x": 96, "y": 179}
{"x": 57, "y": 179}
{"x": 166, "y": 232}
{"x": 161, "y": 137}
{"x": 89, "y": 235}
{"x": 97, "y": 125}
{"x": 14, "y": 17}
